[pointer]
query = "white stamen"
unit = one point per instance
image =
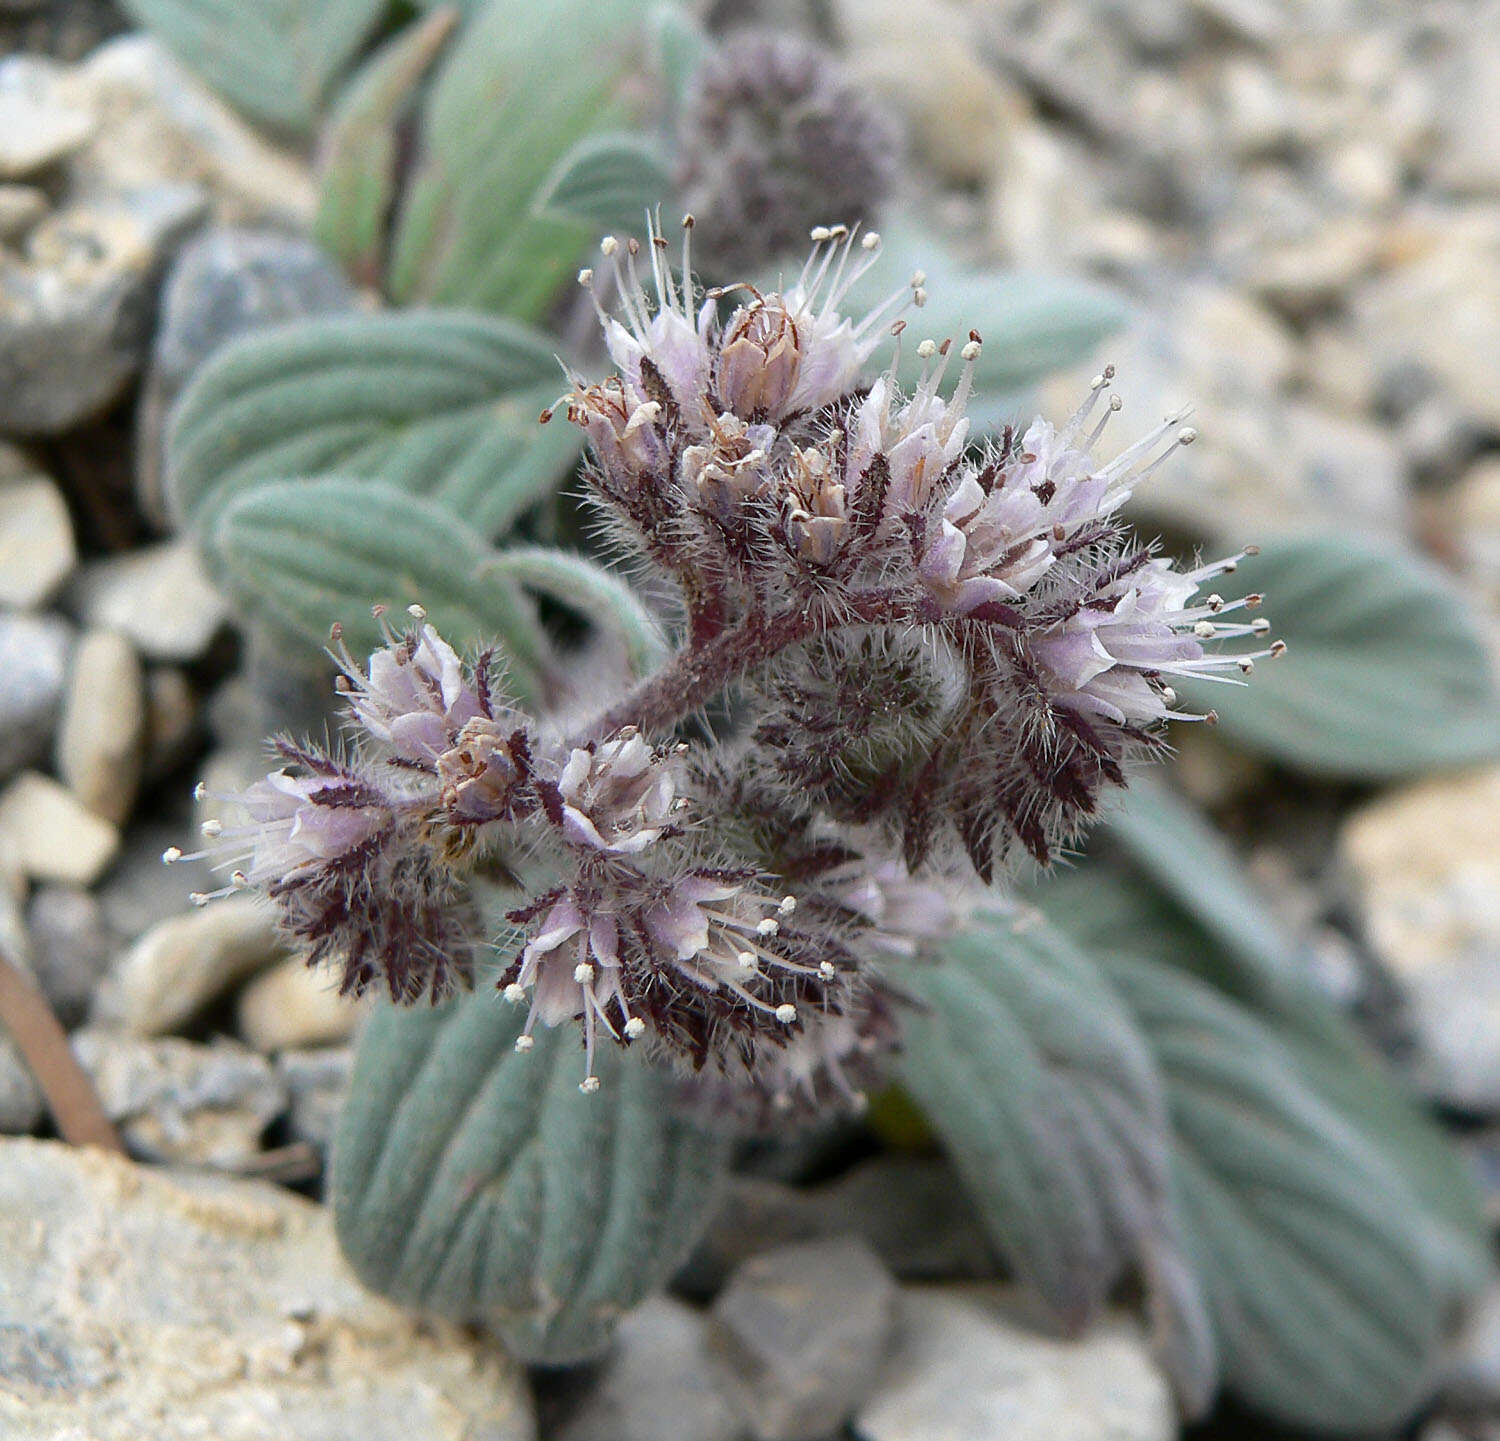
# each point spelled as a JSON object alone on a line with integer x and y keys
{"x": 786, "y": 1013}
{"x": 514, "y": 993}
{"x": 635, "y": 1027}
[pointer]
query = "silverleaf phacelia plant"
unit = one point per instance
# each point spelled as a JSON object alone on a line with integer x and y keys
{"x": 936, "y": 653}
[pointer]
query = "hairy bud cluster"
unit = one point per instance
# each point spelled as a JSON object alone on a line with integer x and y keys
{"x": 773, "y": 137}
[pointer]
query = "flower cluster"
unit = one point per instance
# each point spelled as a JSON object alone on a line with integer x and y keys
{"x": 926, "y": 647}
{"x": 790, "y": 504}
{"x": 358, "y": 848}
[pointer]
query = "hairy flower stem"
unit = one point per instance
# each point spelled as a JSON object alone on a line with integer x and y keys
{"x": 694, "y": 676}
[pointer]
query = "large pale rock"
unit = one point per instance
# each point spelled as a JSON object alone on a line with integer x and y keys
{"x": 965, "y": 1369}
{"x": 49, "y": 835}
{"x": 182, "y": 964}
{"x": 101, "y": 740}
{"x": 801, "y": 1333}
{"x": 135, "y": 1304}
{"x": 1426, "y": 863}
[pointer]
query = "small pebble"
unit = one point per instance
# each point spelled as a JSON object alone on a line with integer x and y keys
{"x": 49, "y": 834}
{"x": 37, "y": 553}
{"x": 294, "y": 1005}
{"x": 101, "y": 739}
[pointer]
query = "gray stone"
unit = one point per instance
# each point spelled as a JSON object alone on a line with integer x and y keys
{"x": 802, "y": 1332}
{"x": 137, "y": 1304}
{"x": 34, "y": 652}
{"x": 37, "y": 127}
{"x": 181, "y": 964}
{"x": 964, "y": 1368}
{"x": 21, "y": 1106}
{"x": 159, "y": 596}
{"x": 37, "y": 553}
{"x": 909, "y": 1210}
{"x": 75, "y": 306}
{"x": 71, "y": 947}
{"x": 1425, "y": 863}
{"x": 223, "y": 284}
{"x": 180, "y": 1101}
{"x": 48, "y": 835}
{"x": 658, "y": 1382}
{"x": 102, "y": 735}
{"x": 316, "y": 1082}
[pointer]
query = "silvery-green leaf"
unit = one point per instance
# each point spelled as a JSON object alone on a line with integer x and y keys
{"x": 1326, "y": 1303}
{"x": 607, "y": 181}
{"x": 441, "y": 404}
{"x": 299, "y": 555}
{"x": 1031, "y": 324}
{"x": 581, "y": 585}
{"x": 273, "y": 59}
{"x": 1386, "y": 672}
{"x": 1032, "y": 1072}
{"x": 517, "y": 91}
{"x": 480, "y": 1184}
{"x": 358, "y": 151}
{"x": 1170, "y": 887}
